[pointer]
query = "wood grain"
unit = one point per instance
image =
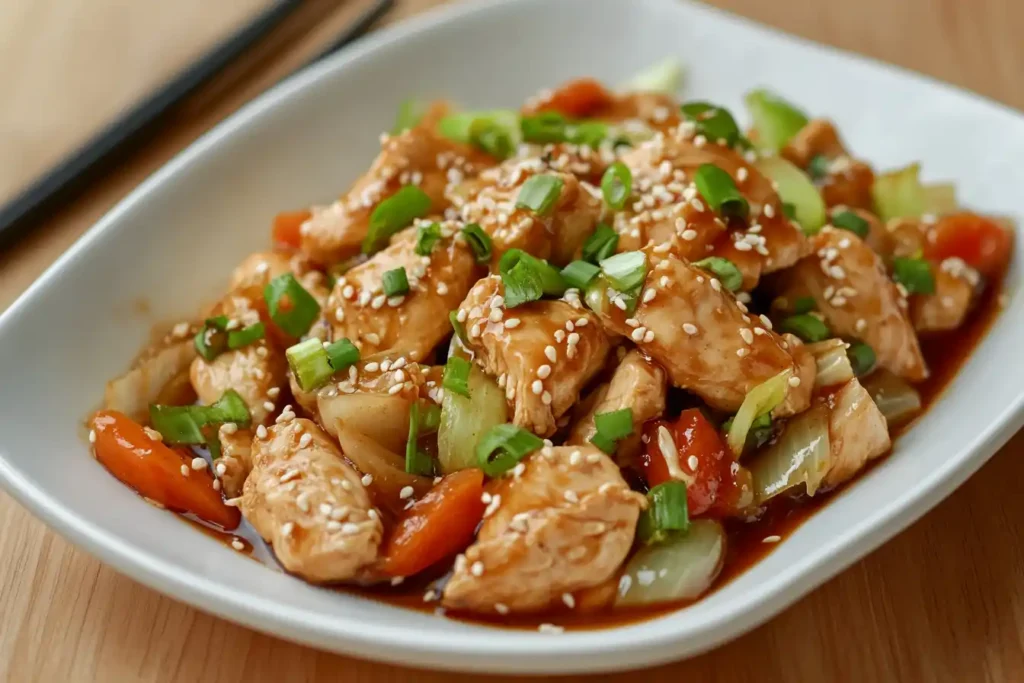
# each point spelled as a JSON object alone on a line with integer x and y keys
{"x": 944, "y": 601}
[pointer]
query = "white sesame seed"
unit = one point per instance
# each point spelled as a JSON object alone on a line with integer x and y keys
{"x": 477, "y": 568}
{"x": 861, "y": 325}
{"x": 573, "y": 339}
{"x": 198, "y": 464}
{"x": 261, "y": 432}
{"x": 287, "y": 528}
{"x": 546, "y": 398}
{"x": 511, "y": 323}
{"x": 581, "y": 322}
{"x": 92, "y": 436}
{"x": 742, "y": 352}
{"x": 771, "y": 539}
{"x": 349, "y": 528}
{"x": 544, "y": 371}
{"x": 690, "y": 329}
{"x": 268, "y": 406}
{"x": 689, "y": 235}
{"x": 184, "y": 470}
{"x": 569, "y": 600}
{"x": 715, "y": 284}
{"x": 537, "y": 387}
{"x": 747, "y": 335}
{"x": 794, "y": 381}
{"x": 367, "y": 479}
{"x": 559, "y": 336}
{"x": 406, "y": 492}
{"x": 501, "y": 608}
{"x": 395, "y": 389}
{"x": 550, "y": 628}
{"x": 495, "y": 315}
{"x": 571, "y": 496}
{"x": 648, "y": 336}
{"x": 637, "y": 335}
{"x": 237, "y": 544}
{"x": 551, "y": 353}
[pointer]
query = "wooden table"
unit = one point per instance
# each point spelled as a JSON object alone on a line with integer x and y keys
{"x": 942, "y": 601}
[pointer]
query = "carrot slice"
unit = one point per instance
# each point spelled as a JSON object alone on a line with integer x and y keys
{"x": 155, "y": 470}
{"x": 287, "y": 225}
{"x": 980, "y": 242}
{"x": 438, "y": 525}
{"x": 577, "y": 99}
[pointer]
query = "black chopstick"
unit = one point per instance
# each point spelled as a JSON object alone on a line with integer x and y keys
{"x": 73, "y": 174}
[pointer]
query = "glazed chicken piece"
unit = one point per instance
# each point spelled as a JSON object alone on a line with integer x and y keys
{"x": 849, "y": 285}
{"x": 133, "y": 392}
{"x": 542, "y": 353}
{"x": 564, "y": 522}
{"x": 235, "y": 462}
{"x": 418, "y": 156}
{"x": 490, "y": 201}
{"x": 637, "y": 384}
{"x": 310, "y": 505}
{"x": 847, "y": 181}
{"x": 955, "y": 286}
{"x": 411, "y": 324}
{"x": 667, "y": 211}
{"x": 857, "y": 432}
{"x": 706, "y": 340}
{"x": 251, "y": 276}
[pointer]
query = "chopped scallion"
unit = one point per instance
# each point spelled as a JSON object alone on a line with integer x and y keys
{"x": 427, "y": 236}
{"x": 713, "y": 122}
{"x": 724, "y": 269}
{"x": 804, "y": 304}
{"x": 848, "y": 220}
{"x": 611, "y": 428}
{"x": 807, "y": 326}
{"x": 579, "y": 274}
{"x": 503, "y": 446}
{"x": 410, "y": 112}
{"x": 492, "y": 138}
{"x": 211, "y": 341}
{"x": 720, "y": 192}
{"x": 176, "y": 424}
{"x": 546, "y": 127}
{"x": 587, "y": 133}
{"x": 601, "y": 244}
{"x": 457, "y": 327}
{"x": 456, "y": 376}
{"x": 528, "y": 278}
{"x": 915, "y": 274}
{"x": 309, "y": 363}
{"x": 393, "y": 214}
{"x": 245, "y": 336}
{"x": 341, "y": 354}
{"x": 789, "y": 209}
{"x": 539, "y": 194}
{"x": 416, "y": 461}
{"x": 862, "y": 358}
{"x": 818, "y": 167}
{"x": 291, "y": 307}
{"x": 626, "y": 271}
{"x": 395, "y": 282}
{"x": 667, "y": 511}
{"x": 479, "y": 241}
{"x": 617, "y": 185}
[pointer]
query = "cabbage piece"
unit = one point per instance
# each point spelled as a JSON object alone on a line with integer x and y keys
{"x": 800, "y": 456}
{"x": 682, "y": 567}
{"x": 464, "y": 420}
{"x": 833, "y": 365}
{"x": 795, "y": 187}
{"x": 759, "y": 401}
{"x": 775, "y": 120}
{"x": 134, "y": 391}
{"x": 381, "y": 417}
{"x": 385, "y": 467}
{"x": 901, "y": 194}
{"x": 897, "y": 400}
{"x": 664, "y": 77}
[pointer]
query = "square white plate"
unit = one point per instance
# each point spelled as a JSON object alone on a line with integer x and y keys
{"x": 174, "y": 240}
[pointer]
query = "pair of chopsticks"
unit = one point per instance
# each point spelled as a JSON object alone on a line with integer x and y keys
{"x": 85, "y": 165}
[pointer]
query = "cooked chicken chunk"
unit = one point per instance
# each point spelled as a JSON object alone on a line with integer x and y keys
{"x": 543, "y": 353}
{"x": 564, "y": 523}
{"x": 143, "y": 385}
{"x": 233, "y": 466}
{"x": 847, "y": 181}
{"x": 414, "y": 323}
{"x": 638, "y": 384}
{"x": 309, "y": 505}
{"x": 945, "y": 309}
{"x": 251, "y": 276}
{"x": 419, "y": 156}
{"x": 687, "y": 321}
{"x": 848, "y": 282}
{"x": 666, "y": 209}
{"x": 490, "y": 201}
{"x": 857, "y": 432}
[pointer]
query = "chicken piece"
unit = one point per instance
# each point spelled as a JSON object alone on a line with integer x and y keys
{"x": 157, "y": 368}
{"x": 638, "y": 384}
{"x": 564, "y": 523}
{"x": 586, "y": 98}
{"x": 251, "y": 275}
{"x": 412, "y": 324}
{"x": 849, "y": 284}
{"x": 857, "y": 432}
{"x": 543, "y": 353}
{"x": 418, "y": 156}
{"x": 235, "y": 462}
{"x": 878, "y": 236}
{"x": 490, "y": 201}
{"x": 666, "y": 209}
{"x": 303, "y": 499}
{"x": 847, "y": 181}
{"x": 955, "y": 286}
{"x": 707, "y": 342}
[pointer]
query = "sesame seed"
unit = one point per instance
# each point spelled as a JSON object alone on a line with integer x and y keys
{"x": 569, "y": 601}
{"x": 771, "y": 539}
{"x": 747, "y": 334}
{"x": 690, "y": 329}
{"x": 92, "y": 436}
{"x": 546, "y": 398}
{"x": 861, "y": 324}
{"x": 638, "y": 334}
{"x": 198, "y": 464}
{"x": 648, "y": 336}
{"x": 261, "y": 432}
{"x": 406, "y": 492}
{"x": 794, "y": 381}
{"x": 573, "y": 339}
{"x": 765, "y": 321}
{"x": 693, "y": 462}
{"x": 495, "y": 315}
{"x": 184, "y": 470}
{"x": 287, "y": 528}
{"x": 571, "y": 496}
{"x": 511, "y": 323}
{"x": 544, "y": 371}
{"x": 715, "y": 284}
{"x": 649, "y": 295}
{"x": 537, "y": 387}
{"x": 268, "y": 406}
{"x": 395, "y": 389}
{"x": 501, "y": 608}
{"x": 442, "y": 289}
{"x": 477, "y": 568}
{"x": 559, "y": 336}
{"x": 349, "y": 528}
{"x": 551, "y": 354}
{"x": 552, "y": 628}
{"x": 237, "y": 544}
{"x": 461, "y": 316}
{"x": 689, "y": 234}
{"x": 367, "y": 479}
{"x": 742, "y": 352}
{"x": 582, "y": 322}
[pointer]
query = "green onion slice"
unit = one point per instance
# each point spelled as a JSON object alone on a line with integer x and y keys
{"x": 291, "y": 307}
{"x": 416, "y": 461}
{"x": 626, "y": 271}
{"x": 611, "y": 428}
{"x": 862, "y": 358}
{"x": 720, "y": 192}
{"x": 539, "y": 194}
{"x": 341, "y": 354}
{"x": 601, "y": 244}
{"x": 458, "y": 328}
{"x": 410, "y": 113}
{"x": 459, "y": 126}
{"x": 527, "y": 278}
{"x": 588, "y": 133}
{"x": 915, "y": 274}
{"x": 393, "y": 214}
{"x": 818, "y": 167}
{"x": 804, "y": 304}
{"x": 775, "y": 120}
{"x": 246, "y": 336}
{"x": 309, "y": 363}
{"x": 789, "y": 209}
{"x": 667, "y": 511}
{"x": 579, "y": 274}
{"x": 501, "y": 448}
{"x": 456, "y": 376}
{"x": 184, "y": 424}
{"x": 479, "y": 241}
{"x": 848, "y": 220}
{"x": 427, "y": 236}
{"x": 544, "y": 128}
{"x": 617, "y": 185}
{"x": 211, "y": 341}
{"x": 492, "y": 138}
{"x": 807, "y": 326}
{"x": 712, "y": 121}
{"x": 724, "y": 269}
{"x": 395, "y": 282}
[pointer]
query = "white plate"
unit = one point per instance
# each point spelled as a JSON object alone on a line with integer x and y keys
{"x": 174, "y": 240}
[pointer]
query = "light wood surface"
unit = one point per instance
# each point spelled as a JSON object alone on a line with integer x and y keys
{"x": 944, "y": 601}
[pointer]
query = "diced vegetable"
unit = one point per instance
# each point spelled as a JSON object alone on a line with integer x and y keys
{"x": 156, "y": 470}
{"x": 459, "y": 126}
{"x": 981, "y": 242}
{"x": 915, "y": 274}
{"x": 807, "y": 326}
{"x": 797, "y": 189}
{"x": 382, "y": 417}
{"x": 759, "y": 401}
{"x": 394, "y": 214}
{"x": 611, "y": 428}
{"x": 528, "y": 278}
{"x": 665, "y": 77}
{"x": 666, "y": 512}
{"x": 848, "y": 220}
{"x": 395, "y": 282}
{"x": 503, "y": 446}
{"x": 724, "y": 269}
{"x": 862, "y": 358}
{"x": 385, "y": 467}
{"x": 683, "y": 567}
{"x": 897, "y": 400}
{"x": 720, "y": 192}
{"x": 417, "y": 461}
{"x": 579, "y": 274}
{"x": 464, "y": 420}
{"x": 211, "y": 340}
{"x": 940, "y": 198}
{"x": 800, "y": 456}
{"x": 578, "y": 99}
{"x": 479, "y": 241}
{"x": 833, "y": 363}
{"x": 427, "y": 235}
{"x": 291, "y": 307}
{"x": 617, "y": 185}
{"x": 627, "y": 271}
{"x": 539, "y": 193}
{"x": 309, "y": 363}
{"x": 901, "y": 194}
{"x": 437, "y": 526}
{"x": 287, "y": 228}
{"x": 456, "y": 376}
{"x": 601, "y": 244}
{"x": 713, "y": 122}
{"x": 775, "y": 120}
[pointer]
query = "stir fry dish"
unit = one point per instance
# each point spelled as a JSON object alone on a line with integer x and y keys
{"x": 550, "y": 365}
